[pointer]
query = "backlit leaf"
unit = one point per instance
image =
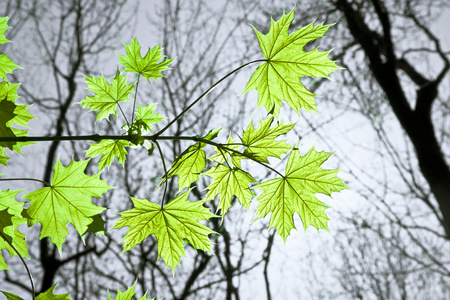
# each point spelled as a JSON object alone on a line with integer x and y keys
{"x": 146, "y": 117}
{"x": 3, "y": 27}
{"x": 6, "y": 114}
{"x": 229, "y": 153}
{"x": 229, "y": 182}
{"x": 6, "y": 64}
{"x": 128, "y": 294}
{"x": 9, "y": 235}
{"x": 47, "y": 295}
{"x": 188, "y": 166}
{"x": 278, "y": 78}
{"x": 295, "y": 193}
{"x": 177, "y": 220}
{"x": 10, "y": 219}
{"x": 68, "y": 200}
{"x": 190, "y": 163}
{"x": 11, "y": 114}
{"x": 261, "y": 142}
{"x": 107, "y": 96}
{"x": 148, "y": 65}
{"x": 108, "y": 149}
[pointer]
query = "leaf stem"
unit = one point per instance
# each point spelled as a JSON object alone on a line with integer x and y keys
{"x": 23, "y": 179}
{"x": 204, "y": 94}
{"x": 123, "y": 114}
{"x": 165, "y": 172}
{"x": 135, "y": 97}
{"x": 23, "y": 262}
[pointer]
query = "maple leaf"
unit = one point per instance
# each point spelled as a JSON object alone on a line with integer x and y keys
{"x": 11, "y": 114}
{"x": 10, "y": 219}
{"x": 67, "y": 200}
{"x": 108, "y": 149}
{"x": 187, "y": 166}
{"x": 107, "y": 96}
{"x": 3, "y": 27}
{"x": 3, "y": 157}
{"x": 175, "y": 221}
{"x": 9, "y": 235}
{"x": 9, "y": 203}
{"x": 146, "y": 66}
{"x": 190, "y": 163}
{"x": 228, "y": 153}
{"x": 128, "y": 294}
{"x": 11, "y": 296}
{"x": 6, "y": 114}
{"x": 228, "y": 182}
{"x": 146, "y": 117}
{"x": 295, "y": 193}
{"x": 9, "y": 90}
{"x": 278, "y": 78}
{"x": 6, "y": 64}
{"x": 47, "y": 295}
{"x": 261, "y": 143}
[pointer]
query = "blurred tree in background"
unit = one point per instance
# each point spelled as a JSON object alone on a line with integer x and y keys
{"x": 387, "y": 114}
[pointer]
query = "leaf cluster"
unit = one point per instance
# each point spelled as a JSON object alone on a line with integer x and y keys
{"x": 67, "y": 199}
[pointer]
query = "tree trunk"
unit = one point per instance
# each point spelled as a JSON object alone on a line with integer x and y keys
{"x": 416, "y": 122}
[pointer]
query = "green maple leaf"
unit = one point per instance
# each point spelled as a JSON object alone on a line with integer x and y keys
{"x": 228, "y": 153}
{"x": 295, "y": 193}
{"x": 228, "y": 182}
{"x": 3, "y": 157}
{"x": 20, "y": 115}
{"x": 108, "y": 149}
{"x": 3, "y": 27}
{"x": 261, "y": 142}
{"x": 11, "y": 296}
{"x": 9, "y": 235}
{"x": 146, "y": 66}
{"x": 8, "y": 90}
{"x": 48, "y": 295}
{"x": 10, "y": 219}
{"x": 6, "y": 114}
{"x": 278, "y": 78}
{"x": 171, "y": 224}
{"x": 128, "y": 294}
{"x": 107, "y": 96}
{"x": 6, "y": 64}
{"x": 9, "y": 203}
{"x": 146, "y": 117}
{"x": 11, "y": 114}
{"x": 189, "y": 164}
{"x": 68, "y": 200}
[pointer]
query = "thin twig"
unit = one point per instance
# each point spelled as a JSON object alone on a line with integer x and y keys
{"x": 23, "y": 262}
{"x": 204, "y": 94}
{"x": 165, "y": 172}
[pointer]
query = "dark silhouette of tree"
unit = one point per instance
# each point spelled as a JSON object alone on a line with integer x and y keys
{"x": 388, "y": 63}
{"x": 389, "y": 113}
